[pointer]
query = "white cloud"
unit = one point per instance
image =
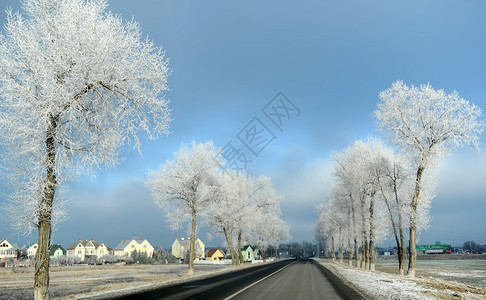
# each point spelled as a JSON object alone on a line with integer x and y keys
{"x": 304, "y": 184}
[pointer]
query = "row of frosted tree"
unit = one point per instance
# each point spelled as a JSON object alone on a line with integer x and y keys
{"x": 383, "y": 191}
{"x": 195, "y": 187}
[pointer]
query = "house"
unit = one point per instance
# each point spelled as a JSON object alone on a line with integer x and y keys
{"x": 87, "y": 249}
{"x": 56, "y": 250}
{"x": 248, "y": 253}
{"x": 180, "y": 249}
{"x": 8, "y": 251}
{"x": 32, "y": 249}
{"x": 126, "y": 247}
{"x": 215, "y": 254}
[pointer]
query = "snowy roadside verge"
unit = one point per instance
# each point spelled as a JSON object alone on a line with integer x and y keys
{"x": 380, "y": 285}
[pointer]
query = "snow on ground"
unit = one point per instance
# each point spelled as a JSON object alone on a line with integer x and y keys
{"x": 380, "y": 285}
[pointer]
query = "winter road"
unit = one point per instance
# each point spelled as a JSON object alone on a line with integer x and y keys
{"x": 288, "y": 279}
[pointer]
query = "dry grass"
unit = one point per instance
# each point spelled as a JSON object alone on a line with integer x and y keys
{"x": 451, "y": 289}
{"x": 92, "y": 282}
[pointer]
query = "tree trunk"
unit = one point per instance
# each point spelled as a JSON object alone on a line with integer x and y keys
{"x": 356, "y": 252}
{"x": 350, "y": 253}
{"x": 240, "y": 254}
{"x": 230, "y": 247}
{"x": 192, "y": 248}
{"x": 372, "y": 255}
{"x": 41, "y": 276}
{"x": 333, "y": 251}
{"x": 372, "y": 233}
{"x": 395, "y": 235}
{"x": 366, "y": 258}
{"x": 350, "y": 234}
{"x": 401, "y": 267}
{"x": 412, "y": 262}
{"x": 341, "y": 252}
{"x": 394, "y": 225}
{"x": 355, "y": 238}
{"x": 402, "y": 250}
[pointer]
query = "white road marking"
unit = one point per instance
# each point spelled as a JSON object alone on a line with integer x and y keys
{"x": 244, "y": 289}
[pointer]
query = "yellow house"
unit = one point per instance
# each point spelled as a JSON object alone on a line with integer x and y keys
{"x": 180, "y": 249}
{"x": 87, "y": 249}
{"x": 126, "y": 247}
{"x": 215, "y": 254}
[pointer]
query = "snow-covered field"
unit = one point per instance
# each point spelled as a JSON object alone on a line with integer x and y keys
{"x": 98, "y": 282}
{"x": 435, "y": 280}
{"x": 469, "y": 272}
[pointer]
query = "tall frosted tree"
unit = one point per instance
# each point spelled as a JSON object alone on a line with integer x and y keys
{"x": 76, "y": 83}
{"x": 183, "y": 187}
{"x": 227, "y": 208}
{"x": 426, "y": 124}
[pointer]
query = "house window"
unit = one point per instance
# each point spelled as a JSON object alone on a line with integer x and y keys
{"x": 248, "y": 255}
{"x": 145, "y": 246}
{"x": 133, "y": 246}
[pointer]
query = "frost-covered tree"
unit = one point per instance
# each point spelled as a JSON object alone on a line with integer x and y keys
{"x": 394, "y": 187}
{"x": 239, "y": 205}
{"x": 345, "y": 189}
{"x": 375, "y": 170}
{"x": 357, "y": 171}
{"x": 332, "y": 219}
{"x": 264, "y": 226}
{"x": 352, "y": 181}
{"x": 263, "y": 229}
{"x": 228, "y": 207}
{"x": 426, "y": 124}
{"x": 281, "y": 233}
{"x": 259, "y": 197}
{"x": 76, "y": 82}
{"x": 182, "y": 187}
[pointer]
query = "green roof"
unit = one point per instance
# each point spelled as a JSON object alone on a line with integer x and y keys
{"x": 54, "y": 248}
{"x": 433, "y": 246}
{"x": 245, "y": 248}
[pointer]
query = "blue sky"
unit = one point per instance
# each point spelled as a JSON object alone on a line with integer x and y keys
{"x": 331, "y": 59}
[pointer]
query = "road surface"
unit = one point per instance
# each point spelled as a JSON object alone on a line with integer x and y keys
{"x": 288, "y": 279}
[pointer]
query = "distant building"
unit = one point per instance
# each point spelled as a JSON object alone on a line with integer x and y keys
{"x": 56, "y": 250}
{"x": 248, "y": 253}
{"x": 8, "y": 251}
{"x": 87, "y": 249}
{"x": 215, "y": 254}
{"x": 126, "y": 247}
{"x": 180, "y": 249}
{"x": 32, "y": 250}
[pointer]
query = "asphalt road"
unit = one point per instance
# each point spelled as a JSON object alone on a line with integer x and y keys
{"x": 289, "y": 279}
